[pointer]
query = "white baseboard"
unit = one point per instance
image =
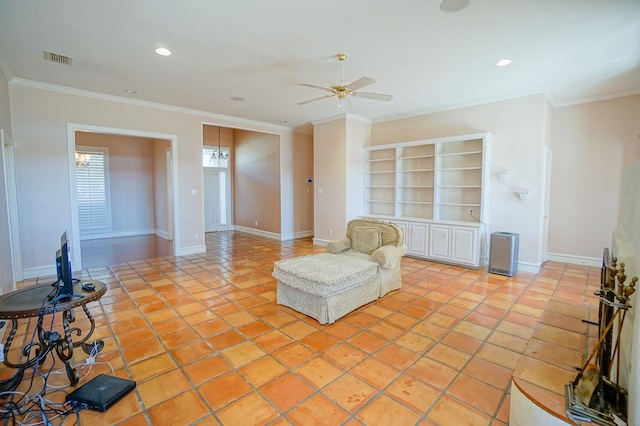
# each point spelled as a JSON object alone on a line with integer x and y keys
{"x": 296, "y": 235}
{"x": 529, "y": 267}
{"x": 98, "y": 236}
{"x": 273, "y": 235}
{"x": 39, "y": 271}
{"x": 162, "y": 234}
{"x": 577, "y": 260}
{"x": 257, "y": 232}
{"x": 320, "y": 242}
{"x": 185, "y": 251}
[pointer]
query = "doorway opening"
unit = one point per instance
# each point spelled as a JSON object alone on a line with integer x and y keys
{"x": 216, "y": 188}
{"x": 216, "y": 177}
{"x": 145, "y": 220}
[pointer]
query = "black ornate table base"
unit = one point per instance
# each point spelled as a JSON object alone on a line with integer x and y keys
{"x": 30, "y": 303}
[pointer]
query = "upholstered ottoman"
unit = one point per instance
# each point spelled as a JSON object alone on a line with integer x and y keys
{"x": 326, "y": 286}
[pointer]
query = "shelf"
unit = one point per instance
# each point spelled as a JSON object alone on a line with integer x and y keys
{"x": 429, "y": 203}
{"x": 452, "y": 169}
{"x": 375, "y": 160}
{"x": 409, "y": 157}
{"x": 458, "y": 204}
{"x": 432, "y": 180}
{"x": 460, "y": 153}
{"x": 417, "y": 170}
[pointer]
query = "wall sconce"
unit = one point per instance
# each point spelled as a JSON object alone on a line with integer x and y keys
{"x": 522, "y": 193}
{"x": 503, "y": 174}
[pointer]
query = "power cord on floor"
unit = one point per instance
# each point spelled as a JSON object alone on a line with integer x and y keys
{"x": 31, "y": 409}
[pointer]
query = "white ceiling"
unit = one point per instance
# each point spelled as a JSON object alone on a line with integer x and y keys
{"x": 572, "y": 50}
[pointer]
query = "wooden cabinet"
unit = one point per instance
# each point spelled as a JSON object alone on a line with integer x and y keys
{"x": 438, "y": 189}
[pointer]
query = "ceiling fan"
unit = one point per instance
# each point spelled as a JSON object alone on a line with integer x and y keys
{"x": 342, "y": 90}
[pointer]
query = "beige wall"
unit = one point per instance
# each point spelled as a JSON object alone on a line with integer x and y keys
{"x": 39, "y": 118}
{"x": 6, "y": 278}
{"x": 302, "y": 205}
{"x": 518, "y": 132}
{"x": 358, "y": 133}
{"x": 592, "y": 143}
{"x": 162, "y": 204}
{"x": 294, "y": 168}
{"x": 256, "y": 181}
{"x": 330, "y": 175}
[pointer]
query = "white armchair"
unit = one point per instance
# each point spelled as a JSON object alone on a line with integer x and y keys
{"x": 380, "y": 241}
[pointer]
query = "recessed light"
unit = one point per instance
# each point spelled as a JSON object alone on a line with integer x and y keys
{"x": 130, "y": 91}
{"x": 163, "y": 51}
{"x": 503, "y": 62}
{"x": 452, "y": 6}
{"x": 283, "y": 121}
{"x": 237, "y": 98}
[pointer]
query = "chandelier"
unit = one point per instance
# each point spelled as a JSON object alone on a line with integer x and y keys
{"x": 219, "y": 153}
{"x": 82, "y": 159}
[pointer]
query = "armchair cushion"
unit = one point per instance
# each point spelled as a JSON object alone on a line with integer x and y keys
{"x": 366, "y": 239}
{"x": 389, "y": 257}
{"x": 339, "y": 246}
{"x": 391, "y": 234}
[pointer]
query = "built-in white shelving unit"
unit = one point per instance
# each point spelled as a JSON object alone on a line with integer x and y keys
{"x": 437, "y": 190}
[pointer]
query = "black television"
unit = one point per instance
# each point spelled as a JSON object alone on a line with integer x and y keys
{"x": 63, "y": 267}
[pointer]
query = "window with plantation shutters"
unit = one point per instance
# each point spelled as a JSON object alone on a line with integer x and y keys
{"x": 92, "y": 186}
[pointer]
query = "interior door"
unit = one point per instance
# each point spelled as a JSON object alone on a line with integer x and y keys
{"x": 211, "y": 199}
{"x": 216, "y": 199}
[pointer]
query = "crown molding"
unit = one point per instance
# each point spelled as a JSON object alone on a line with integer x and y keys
{"x": 346, "y": 116}
{"x": 610, "y": 96}
{"x": 236, "y": 122}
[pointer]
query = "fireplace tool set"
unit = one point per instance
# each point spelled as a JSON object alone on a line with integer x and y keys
{"x": 593, "y": 396}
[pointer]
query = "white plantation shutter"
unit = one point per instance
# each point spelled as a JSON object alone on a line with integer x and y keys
{"x": 92, "y": 186}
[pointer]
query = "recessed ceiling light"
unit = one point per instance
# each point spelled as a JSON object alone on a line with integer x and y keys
{"x": 237, "y": 98}
{"x": 283, "y": 121}
{"x": 503, "y": 62}
{"x": 163, "y": 51}
{"x": 130, "y": 91}
{"x": 451, "y": 6}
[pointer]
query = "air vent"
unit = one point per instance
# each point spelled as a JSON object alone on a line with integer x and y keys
{"x": 57, "y": 58}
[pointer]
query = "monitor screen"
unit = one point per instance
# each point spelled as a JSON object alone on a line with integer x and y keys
{"x": 65, "y": 280}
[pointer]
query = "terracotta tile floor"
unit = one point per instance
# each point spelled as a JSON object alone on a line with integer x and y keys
{"x": 206, "y": 343}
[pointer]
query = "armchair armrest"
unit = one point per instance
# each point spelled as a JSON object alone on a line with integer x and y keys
{"x": 338, "y": 246}
{"x": 389, "y": 256}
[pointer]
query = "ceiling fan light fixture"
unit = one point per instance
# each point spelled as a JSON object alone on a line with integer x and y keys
{"x": 452, "y": 6}
{"x": 343, "y": 90}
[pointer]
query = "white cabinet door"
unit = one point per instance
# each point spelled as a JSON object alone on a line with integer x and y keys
{"x": 439, "y": 237}
{"x": 417, "y": 241}
{"x": 465, "y": 246}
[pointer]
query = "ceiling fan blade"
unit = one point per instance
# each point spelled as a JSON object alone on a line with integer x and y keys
{"x": 316, "y": 86}
{"x": 315, "y": 99}
{"x": 374, "y": 96}
{"x": 360, "y": 83}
